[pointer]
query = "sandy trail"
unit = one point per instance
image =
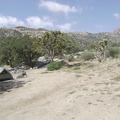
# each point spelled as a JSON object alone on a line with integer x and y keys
{"x": 90, "y": 93}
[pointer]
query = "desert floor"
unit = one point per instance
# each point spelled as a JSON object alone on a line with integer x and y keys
{"x": 89, "y": 93}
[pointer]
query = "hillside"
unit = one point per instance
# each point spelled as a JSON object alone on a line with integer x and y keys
{"x": 92, "y": 37}
{"x": 20, "y": 31}
{"x": 79, "y": 36}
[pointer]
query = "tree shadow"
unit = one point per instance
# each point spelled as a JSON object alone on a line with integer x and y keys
{"x": 8, "y": 85}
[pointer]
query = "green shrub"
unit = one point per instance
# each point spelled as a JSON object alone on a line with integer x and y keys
{"x": 77, "y": 68}
{"x": 115, "y": 44}
{"x": 55, "y": 66}
{"x": 117, "y": 78}
{"x": 91, "y": 46}
{"x": 86, "y": 55}
{"x": 114, "y": 52}
{"x": 1, "y": 63}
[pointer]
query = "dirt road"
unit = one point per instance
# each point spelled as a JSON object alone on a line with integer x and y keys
{"x": 89, "y": 93}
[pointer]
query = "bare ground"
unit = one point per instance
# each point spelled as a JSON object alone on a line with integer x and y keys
{"x": 89, "y": 93}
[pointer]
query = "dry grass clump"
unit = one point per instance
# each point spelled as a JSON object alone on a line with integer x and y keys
{"x": 117, "y": 78}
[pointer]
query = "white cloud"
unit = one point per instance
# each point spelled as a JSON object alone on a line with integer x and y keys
{"x": 57, "y": 7}
{"x": 65, "y": 27}
{"x": 6, "y": 21}
{"x": 117, "y": 16}
{"x": 37, "y": 22}
{"x": 33, "y": 21}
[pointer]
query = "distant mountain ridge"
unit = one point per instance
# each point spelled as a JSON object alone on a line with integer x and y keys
{"x": 84, "y": 36}
{"x": 20, "y": 31}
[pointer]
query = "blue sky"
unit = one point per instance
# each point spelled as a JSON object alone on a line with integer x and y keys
{"x": 64, "y": 15}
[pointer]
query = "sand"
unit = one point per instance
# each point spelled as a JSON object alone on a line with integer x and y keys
{"x": 89, "y": 93}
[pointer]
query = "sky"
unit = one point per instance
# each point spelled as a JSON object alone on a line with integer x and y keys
{"x": 65, "y": 15}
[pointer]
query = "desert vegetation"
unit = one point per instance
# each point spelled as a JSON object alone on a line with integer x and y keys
{"x": 51, "y": 45}
{"x": 15, "y": 50}
{"x": 82, "y": 77}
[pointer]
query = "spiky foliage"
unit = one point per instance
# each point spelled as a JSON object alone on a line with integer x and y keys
{"x": 102, "y": 49}
{"x": 54, "y": 43}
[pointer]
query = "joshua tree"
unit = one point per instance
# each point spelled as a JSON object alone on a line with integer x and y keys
{"x": 102, "y": 49}
{"x": 54, "y": 43}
